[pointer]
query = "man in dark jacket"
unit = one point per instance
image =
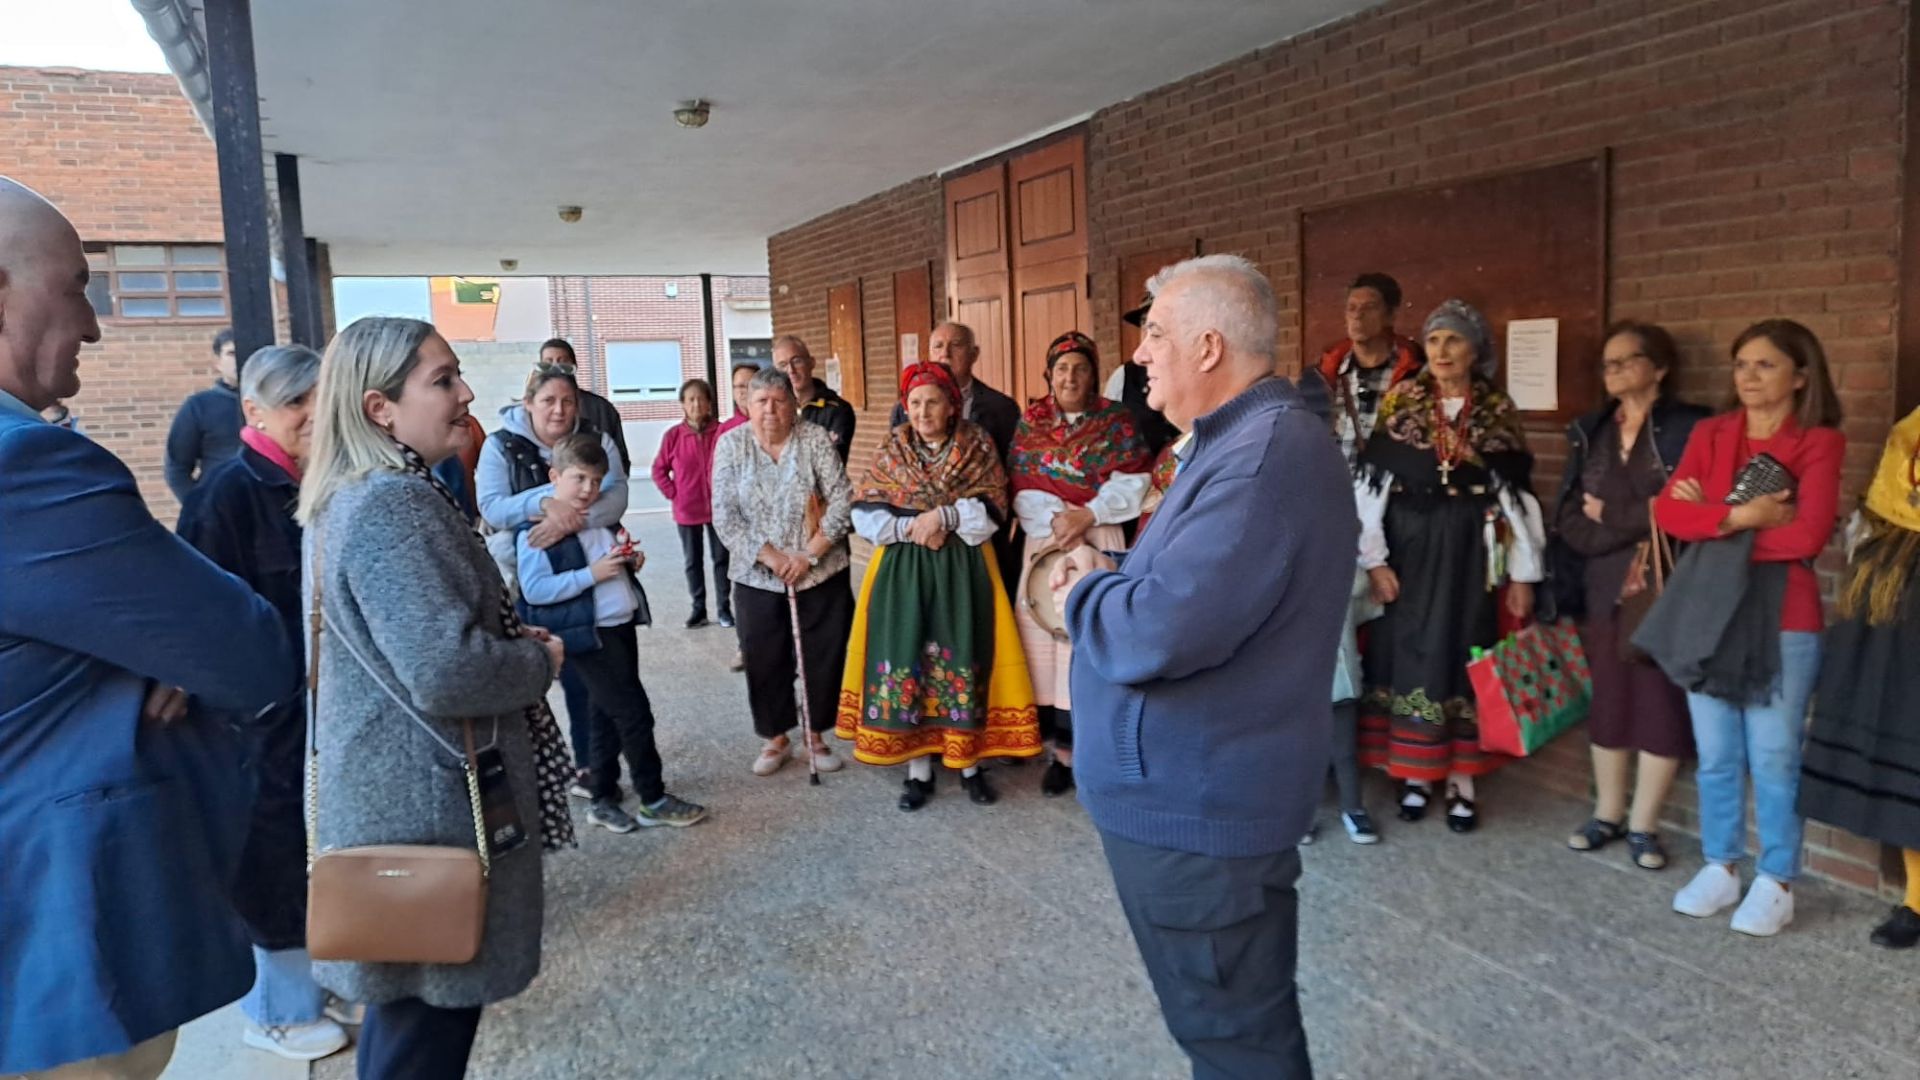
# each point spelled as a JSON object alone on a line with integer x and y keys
{"x": 1358, "y": 370}
{"x": 1203, "y": 666}
{"x": 954, "y": 345}
{"x": 596, "y": 413}
{"x": 818, "y": 403}
{"x": 206, "y": 430}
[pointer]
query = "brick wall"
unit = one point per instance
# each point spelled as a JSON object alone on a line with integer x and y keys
{"x": 125, "y": 158}
{"x": 868, "y": 241}
{"x": 1756, "y": 152}
{"x": 592, "y": 311}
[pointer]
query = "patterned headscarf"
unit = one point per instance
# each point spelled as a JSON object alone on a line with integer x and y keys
{"x": 1464, "y": 319}
{"x": 928, "y": 372}
{"x": 1073, "y": 341}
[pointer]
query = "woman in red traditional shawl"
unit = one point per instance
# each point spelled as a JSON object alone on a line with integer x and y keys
{"x": 934, "y": 665}
{"x": 1080, "y": 471}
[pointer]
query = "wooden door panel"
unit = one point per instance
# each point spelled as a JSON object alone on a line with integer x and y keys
{"x": 846, "y": 337}
{"x": 1135, "y": 270}
{"x": 1049, "y": 300}
{"x": 982, "y": 302}
{"x": 1048, "y": 203}
{"x": 912, "y": 316}
{"x": 977, "y": 223}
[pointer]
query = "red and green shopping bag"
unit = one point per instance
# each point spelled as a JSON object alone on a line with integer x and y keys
{"x": 1530, "y": 687}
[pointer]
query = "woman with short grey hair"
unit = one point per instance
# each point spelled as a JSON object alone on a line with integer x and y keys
{"x": 783, "y": 508}
{"x": 240, "y": 515}
{"x": 420, "y": 650}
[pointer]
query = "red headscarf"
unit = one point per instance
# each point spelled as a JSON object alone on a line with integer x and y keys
{"x": 921, "y": 374}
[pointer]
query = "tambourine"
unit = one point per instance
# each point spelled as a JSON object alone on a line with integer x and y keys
{"x": 1039, "y": 598}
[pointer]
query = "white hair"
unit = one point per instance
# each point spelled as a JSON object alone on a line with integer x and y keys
{"x": 1232, "y": 298}
{"x": 278, "y": 375}
{"x": 375, "y": 353}
{"x": 772, "y": 378}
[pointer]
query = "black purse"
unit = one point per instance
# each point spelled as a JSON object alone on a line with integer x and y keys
{"x": 1764, "y": 475}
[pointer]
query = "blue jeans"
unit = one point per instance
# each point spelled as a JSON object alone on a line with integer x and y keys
{"x": 284, "y": 993}
{"x": 1761, "y": 741}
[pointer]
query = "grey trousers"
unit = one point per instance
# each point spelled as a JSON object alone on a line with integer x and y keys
{"x": 1219, "y": 937}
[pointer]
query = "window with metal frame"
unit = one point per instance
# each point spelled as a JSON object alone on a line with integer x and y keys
{"x": 182, "y": 282}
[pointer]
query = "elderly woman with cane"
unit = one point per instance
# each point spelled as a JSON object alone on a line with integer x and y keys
{"x": 935, "y": 667}
{"x": 781, "y": 507}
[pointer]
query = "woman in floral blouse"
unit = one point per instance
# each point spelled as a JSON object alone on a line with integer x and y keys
{"x": 1080, "y": 471}
{"x": 780, "y": 504}
{"x": 934, "y": 667}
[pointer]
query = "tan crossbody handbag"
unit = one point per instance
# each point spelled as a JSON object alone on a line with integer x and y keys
{"x": 390, "y": 903}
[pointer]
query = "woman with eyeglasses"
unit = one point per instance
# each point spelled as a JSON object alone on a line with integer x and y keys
{"x": 1618, "y": 459}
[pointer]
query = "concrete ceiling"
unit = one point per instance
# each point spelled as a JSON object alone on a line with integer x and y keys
{"x": 439, "y": 136}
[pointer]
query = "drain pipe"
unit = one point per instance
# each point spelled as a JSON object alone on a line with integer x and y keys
{"x": 171, "y": 26}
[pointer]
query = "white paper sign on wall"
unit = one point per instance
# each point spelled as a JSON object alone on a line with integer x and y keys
{"x": 1533, "y": 364}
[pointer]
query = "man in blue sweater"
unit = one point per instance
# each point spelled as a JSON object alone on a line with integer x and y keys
{"x": 1202, "y": 665}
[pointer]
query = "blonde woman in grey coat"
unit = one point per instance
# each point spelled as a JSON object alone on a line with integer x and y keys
{"x": 418, "y": 637}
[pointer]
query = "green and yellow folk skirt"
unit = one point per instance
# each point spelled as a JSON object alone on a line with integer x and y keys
{"x": 934, "y": 665}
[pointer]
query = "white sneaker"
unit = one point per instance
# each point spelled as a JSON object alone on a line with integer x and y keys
{"x": 297, "y": 1042}
{"x": 824, "y": 759}
{"x": 1714, "y": 889}
{"x": 1767, "y": 909}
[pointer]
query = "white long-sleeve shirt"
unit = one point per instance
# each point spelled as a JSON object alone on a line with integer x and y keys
{"x": 881, "y": 527}
{"x": 1118, "y": 501}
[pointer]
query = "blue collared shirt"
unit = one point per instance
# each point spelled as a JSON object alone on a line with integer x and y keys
{"x": 8, "y": 401}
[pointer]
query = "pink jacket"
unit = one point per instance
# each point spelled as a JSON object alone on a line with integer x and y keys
{"x": 683, "y": 471}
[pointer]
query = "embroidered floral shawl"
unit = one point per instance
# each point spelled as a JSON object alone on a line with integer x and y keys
{"x": 1072, "y": 460}
{"x": 969, "y": 468}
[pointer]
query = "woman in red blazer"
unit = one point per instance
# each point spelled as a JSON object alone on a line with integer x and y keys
{"x": 1788, "y": 409}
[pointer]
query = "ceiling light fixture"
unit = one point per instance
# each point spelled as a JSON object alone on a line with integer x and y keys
{"x": 570, "y": 214}
{"x": 692, "y": 114}
{"x": 509, "y": 265}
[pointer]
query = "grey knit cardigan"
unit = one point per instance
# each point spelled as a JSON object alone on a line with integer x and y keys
{"x": 409, "y": 587}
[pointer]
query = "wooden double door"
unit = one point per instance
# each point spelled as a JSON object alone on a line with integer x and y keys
{"x": 1017, "y": 260}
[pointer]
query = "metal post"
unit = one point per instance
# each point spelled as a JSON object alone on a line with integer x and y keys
{"x": 243, "y": 180}
{"x": 321, "y": 283}
{"x": 713, "y": 356}
{"x": 301, "y": 309}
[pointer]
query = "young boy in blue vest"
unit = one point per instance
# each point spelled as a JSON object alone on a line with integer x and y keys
{"x": 582, "y": 589}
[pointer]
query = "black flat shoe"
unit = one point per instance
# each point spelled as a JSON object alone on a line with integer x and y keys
{"x": 915, "y": 795}
{"x": 695, "y": 622}
{"x": 1057, "y": 780}
{"x": 1413, "y": 811}
{"x": 1900, "y": 931}
{"x": 978, "y": 789}
{"x": 1458, "y": 822}
{"x": 1645, "y": 851}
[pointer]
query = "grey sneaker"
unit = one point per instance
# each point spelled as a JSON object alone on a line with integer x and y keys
{"x": 610, "y": 817}
{"x": 671, "y": 810}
